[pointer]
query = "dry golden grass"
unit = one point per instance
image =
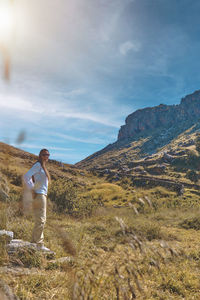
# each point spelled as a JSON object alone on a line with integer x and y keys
{"x": 165, "y": 257}
{"x": 111, "y": 194}
{"x": 148, "y": 255}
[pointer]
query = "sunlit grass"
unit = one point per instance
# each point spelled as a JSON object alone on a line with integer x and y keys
{"x": 104, "y": 247}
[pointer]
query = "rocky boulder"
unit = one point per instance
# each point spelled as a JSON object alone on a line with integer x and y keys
{"x": 167, "y": 157}
{"x": 6, "y": 236}
{"x": 13, "y": 245}
{"x": 139, "y": 170}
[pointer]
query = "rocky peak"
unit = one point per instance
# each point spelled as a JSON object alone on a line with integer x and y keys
{"x": 162, "y": 116}
{"x": 191, "y": 99}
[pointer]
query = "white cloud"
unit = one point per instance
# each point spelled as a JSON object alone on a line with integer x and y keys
{"x": 55, "y": 110}
{"x": 89, "y": 117}
{"x": 97, "y": 141}
{"x": 128, "y": 46}
{"x": 32, "y": 146}
{"x": 16, "y": 103}
{"x": 74, "y": 93}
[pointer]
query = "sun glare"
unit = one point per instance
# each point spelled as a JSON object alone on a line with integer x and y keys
{"x": 6, "y": 21}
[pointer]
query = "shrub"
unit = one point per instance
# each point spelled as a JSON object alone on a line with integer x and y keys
{"x": 173, "y": 287}
{"x": 64, "y": 194}
{"x": 192, "y": 157}
{"x": 191, "y": 160}
{"x": 193, "y": 223}
{"x": 192, "y": 175}
{"x": 16, "y": 179}
{"x": 84, "y": 207}
{"x": 28, "y": 257}
{"x": 13, "y": 176}
{"x": 14, "y": 195}
{"x": 152, "y": 231}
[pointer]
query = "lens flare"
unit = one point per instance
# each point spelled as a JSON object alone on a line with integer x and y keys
{"x": 6, "y": 21}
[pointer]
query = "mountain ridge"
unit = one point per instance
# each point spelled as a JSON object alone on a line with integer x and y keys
{"x": 162, "y": 116}
{"x": 147, "y": 130}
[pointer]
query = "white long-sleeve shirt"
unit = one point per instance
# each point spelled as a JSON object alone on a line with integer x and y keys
{"x": 40, "y": 186}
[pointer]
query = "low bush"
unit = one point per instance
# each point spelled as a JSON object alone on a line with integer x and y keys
{"x": 192, "y": 175}
{"x": 28, "y": 257}
{"x": 64, "y": 195}
{"x": 193, "y": 223}
{"x": 13, "y": 176}
{"x": 152, "y": 231}
{"x": 190, "y": 161}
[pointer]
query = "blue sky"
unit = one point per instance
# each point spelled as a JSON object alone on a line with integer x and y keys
{"x": 80, "y": 67}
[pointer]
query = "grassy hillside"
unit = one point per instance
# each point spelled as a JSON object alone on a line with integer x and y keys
{"x": 177, "y": 162}
{"x": 123, "y": 241}
{"x": 121, "y": 154}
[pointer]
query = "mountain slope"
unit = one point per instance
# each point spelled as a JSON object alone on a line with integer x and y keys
{"x": 148, "y": 131}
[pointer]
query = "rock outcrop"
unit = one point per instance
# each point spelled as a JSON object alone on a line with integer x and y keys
{"x": 162, "y": 116}
{"x": 13, "y": 245}
{"x": 6, "y": 236}
{"x": 148, "y": 131}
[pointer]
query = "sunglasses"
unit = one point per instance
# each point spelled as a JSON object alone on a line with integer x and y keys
{"x": 45, "y": 154}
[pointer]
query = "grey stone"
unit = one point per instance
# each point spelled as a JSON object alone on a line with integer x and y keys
{"x": 167, "y": 157}
{"x": 106, "y": 171}
{"x": 125, "y": 170}
{"x": 7, "y": 235}
{"x": 17, "y": 244}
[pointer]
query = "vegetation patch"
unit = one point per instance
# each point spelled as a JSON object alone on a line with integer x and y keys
{"x": 109, "y": 193}
{"x": 135, "y": 251}
{"x": 64, "y": 195}
{"x": 193, "y": 223}
{"x": 27, "y": 257}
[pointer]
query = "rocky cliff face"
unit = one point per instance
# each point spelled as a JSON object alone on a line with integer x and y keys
{"x": 147, "y": 131}
{"x": 162, "y": 116}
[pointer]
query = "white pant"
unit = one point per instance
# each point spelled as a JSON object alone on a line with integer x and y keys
{"x": 39, "y": 211}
